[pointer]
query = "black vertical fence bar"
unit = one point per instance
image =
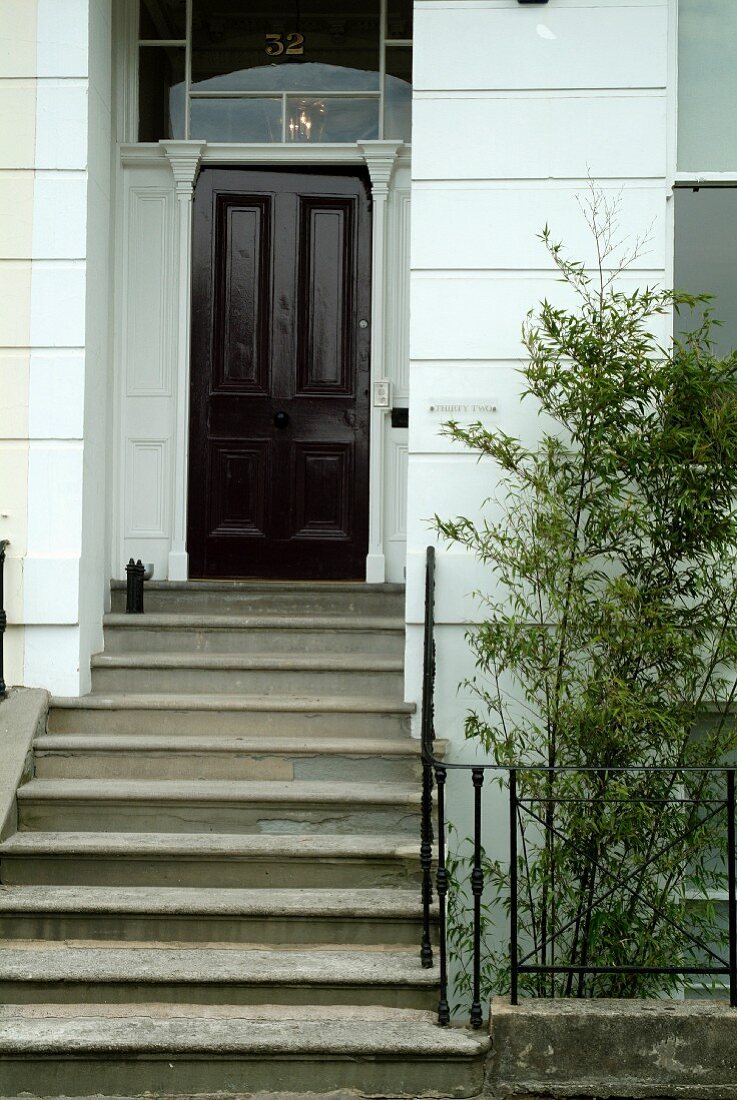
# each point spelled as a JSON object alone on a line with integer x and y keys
{"x": 442, "y": 883}
{"x": 428, "y": 737}
{"x": 477, "y": 888}
{"x": 3, "y": 619}
{"x": 513, "y": 952}
{"x": 732, "y": 898}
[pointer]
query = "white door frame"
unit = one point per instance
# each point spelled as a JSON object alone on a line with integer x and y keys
{"x": 185, "y": 159}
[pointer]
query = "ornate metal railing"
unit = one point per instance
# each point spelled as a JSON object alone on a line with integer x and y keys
{"x": 691, "y": 816}
{"x": 4, "y": 543}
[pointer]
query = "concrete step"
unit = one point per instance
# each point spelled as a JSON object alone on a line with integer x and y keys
{"x": 206, "y": 915}
{"x": 258, "y": 634}
{"x": 117, "y": 756}
{"x": 247, "y": 861}
{"x": 234, "y": 674}
{"x": 218, "y": 806}
{"x": 147, "y": 1049}
{"x": 34, "y": 971}
{"x": 230, "y": 715}
{"x": 266, "y": 598}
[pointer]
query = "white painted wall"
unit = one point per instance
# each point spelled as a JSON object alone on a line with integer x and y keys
{"x": 514, "y": 107}
{"x": 55, "y": 109}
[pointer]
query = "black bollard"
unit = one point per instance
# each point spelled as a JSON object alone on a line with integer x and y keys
{"x": 134, "y": 591}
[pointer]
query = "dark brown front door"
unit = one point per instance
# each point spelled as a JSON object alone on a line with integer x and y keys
{"x": 278, "y": 471}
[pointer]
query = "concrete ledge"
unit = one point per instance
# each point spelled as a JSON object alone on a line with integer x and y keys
{"x": 612, "y": 1048}
{"x": 22, "y": 716}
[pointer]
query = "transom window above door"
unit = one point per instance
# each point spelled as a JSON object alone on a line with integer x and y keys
{"x": 312, "y": 71}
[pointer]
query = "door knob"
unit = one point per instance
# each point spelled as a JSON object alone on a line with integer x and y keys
{"x": 281, "y": 419}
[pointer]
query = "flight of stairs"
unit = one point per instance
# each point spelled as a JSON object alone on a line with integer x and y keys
{"x": 214, "y": 885}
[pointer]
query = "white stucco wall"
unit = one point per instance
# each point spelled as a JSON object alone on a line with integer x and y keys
{"x": 514, "y": 107}
{"x": 55, "y": 108}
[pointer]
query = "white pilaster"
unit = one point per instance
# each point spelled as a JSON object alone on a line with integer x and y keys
{"x": 380, "y": 157}
{"x": 184, "y": 158}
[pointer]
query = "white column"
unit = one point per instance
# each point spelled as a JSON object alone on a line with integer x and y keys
{"x": 184, "y": 158}
{"x": 380, "y": 157}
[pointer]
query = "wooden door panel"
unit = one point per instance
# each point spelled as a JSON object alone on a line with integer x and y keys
{"x": 239, "y": 479}
{"x": 326, "y": 259}
{"x": 242, "y": 294}
{"x": 322, "y": 481}
{"x": 279, "y": 403}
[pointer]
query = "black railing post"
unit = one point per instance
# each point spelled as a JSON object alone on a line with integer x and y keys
{"x": 442, "y": 882}
{"x": 3, "y": 618}
{"x": 731, "y": 855}
{"x": 427, "y": 737}
{"x": 513, "y": 951}
{"x": 477, "y": 888}
{"x": 134, "y": 572}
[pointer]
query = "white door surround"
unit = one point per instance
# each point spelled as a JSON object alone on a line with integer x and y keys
{"x": 166, "y": 456}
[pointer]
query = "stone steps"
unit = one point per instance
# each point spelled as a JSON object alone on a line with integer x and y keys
{"x": 230, "y": 1050}
{"x": 212, "y": 714}
{"x": 258, "y": 634}
{"x": 150, "y": 756}
{"x": 199, "y": 915}
{"x": 231, "y": 806}
{"x": 237, "y": 674}
{"x": 33, "y": 972}
{"x": 258, "y": 861}
{"x": 266, "y": 598}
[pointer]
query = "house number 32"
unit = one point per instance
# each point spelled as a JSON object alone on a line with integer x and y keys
{"x": 277, "y": 44}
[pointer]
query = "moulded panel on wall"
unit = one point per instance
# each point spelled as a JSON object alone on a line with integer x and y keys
{"x": 56, "y": 394}
{"x": 55, "y": 498}
{"x": 146, "y": 479}
{"x": 488, "y": 227}
{"x": 612, "y": 46}
{"x": 51, "y": 589}
{"x": 395, "y": 504}
{"x": 16, "y": 215}
{"x": 52, "y": 658}
{"x": 397, "y": 299}
{"x": 61, "y": 124}
{"x": 15, "y": 295}
{"x": 13, "y": 395}
{"x": 58, "y": 304}
{"x": 62, "y": 36}
{"x": 57, "y": 235}
{"x": 17, "y": 123}
{"x": 533, "y": 136}
{"x": 148, "y": 335}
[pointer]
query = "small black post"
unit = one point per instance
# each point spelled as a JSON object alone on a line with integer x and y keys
{"x": 477, "y": 888}
{"x": 3, "y": 618}
{"x": 513, "y": 953}
{"x": 426, "y": 863}
{"x": 732, "y": 894}
{"x": 442, "y": 884}
{"x": 134, "y": 588}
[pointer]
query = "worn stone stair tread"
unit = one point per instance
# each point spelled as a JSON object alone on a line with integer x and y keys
{"x": 353, "y": 662}
{"x": 159, "y": 620}
{"x": 118, "y": 585}
{"x": 253, "y": 792}
{"x": 376, "y": 903}
{"x": 136, "y": 963}
{"x": 263, "y": 746}
{"x": 257, "y": 1032}
{"x": 204, "y": 701}
{"x": 263, "y": 846}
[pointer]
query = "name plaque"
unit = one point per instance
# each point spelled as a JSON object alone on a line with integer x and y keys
{"x": 451, "y": 408}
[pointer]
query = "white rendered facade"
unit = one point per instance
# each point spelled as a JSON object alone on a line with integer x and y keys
{"x": 514, "y": 108}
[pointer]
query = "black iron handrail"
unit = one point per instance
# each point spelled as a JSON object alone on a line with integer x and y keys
{"x": 4, "y": 543}
{"x": 435, "y": 774}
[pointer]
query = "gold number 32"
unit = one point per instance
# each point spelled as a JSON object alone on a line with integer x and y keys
{"x": 278, "y": 44}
